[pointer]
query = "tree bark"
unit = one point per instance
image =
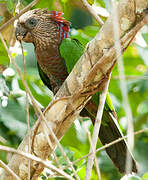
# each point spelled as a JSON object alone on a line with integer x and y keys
{"x": 87, "y": 77}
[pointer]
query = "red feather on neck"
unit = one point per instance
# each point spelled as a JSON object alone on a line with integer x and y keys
{"x": 63, "y": 24}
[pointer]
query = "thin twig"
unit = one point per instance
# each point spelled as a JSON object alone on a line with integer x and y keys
{"x": 108, "y": 145}
{"x": 3, "y": 165}
{"x": 34, "y": 158}
{"x": 123, "y": 86}
{"x": 96, "y": 129}
{"x": 27, "y": 111}
{"x": 97, "y": 167}
{"x": 95, "y": 158}
{"x": 131, "y": 77}
{"x": 92, "y": 12}
{"x": 18, "y": 15}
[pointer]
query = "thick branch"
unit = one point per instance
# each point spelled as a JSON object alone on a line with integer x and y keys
{"x": 87, "y": 77}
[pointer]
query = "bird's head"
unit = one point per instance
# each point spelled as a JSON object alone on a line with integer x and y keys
{"x": 40, "y": 26}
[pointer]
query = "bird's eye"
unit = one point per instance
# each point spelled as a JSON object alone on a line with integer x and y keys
{"x": 31, "y": 23}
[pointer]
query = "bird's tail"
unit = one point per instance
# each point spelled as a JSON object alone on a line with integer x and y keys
{"x": 110, "y": 131}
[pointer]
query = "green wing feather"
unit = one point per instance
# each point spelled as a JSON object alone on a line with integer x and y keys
{"x": 71, "y": 50}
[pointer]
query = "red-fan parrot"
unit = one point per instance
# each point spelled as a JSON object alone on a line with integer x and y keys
{"x": 56, "y": 54}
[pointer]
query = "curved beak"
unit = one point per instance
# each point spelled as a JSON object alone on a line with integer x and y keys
{"x": 20, "y": 32}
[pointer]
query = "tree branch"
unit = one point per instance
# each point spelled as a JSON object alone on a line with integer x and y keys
{"x": 92, "y": 12}
{"x": 83, "y": 81}
{"x": 3, "y": 165}
{"x": 18, "y": 15}
{"x": 34, "y": 158}
{"x": 96, "y": 129}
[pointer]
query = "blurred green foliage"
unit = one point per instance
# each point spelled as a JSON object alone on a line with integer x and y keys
{"x": 75, "y": 142}
{"x": 4, "y": 60}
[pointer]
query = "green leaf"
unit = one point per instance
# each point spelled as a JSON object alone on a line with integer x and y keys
{"x": 26, "y": 2}
{"x": 145, "y": 176}
{"x": 77, "y": 154}
{"x": 142, "y": 108}
{"x": 13, "y": 117}
{"x": 145, "y": 36}
{"x": 1, "y": 19}
{"x": 64, "y": 1}
{"x": 143, "y": 53}
{"x": 4, "y": 60}
{"x": 11, "y": 4}
{"x": 45, "y": 4}
{"x": 39, "y": 91}
{"x": 107, "y": 4}
{"x": 80, "y": 18}
{"x": 90, "y": 2}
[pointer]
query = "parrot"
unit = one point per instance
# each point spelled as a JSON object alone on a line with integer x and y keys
{"x": 56, "y": 54}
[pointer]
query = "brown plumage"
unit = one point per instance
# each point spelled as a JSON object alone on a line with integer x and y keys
{"x": 45, "y": 37}
{"x": 43, "y": 29}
